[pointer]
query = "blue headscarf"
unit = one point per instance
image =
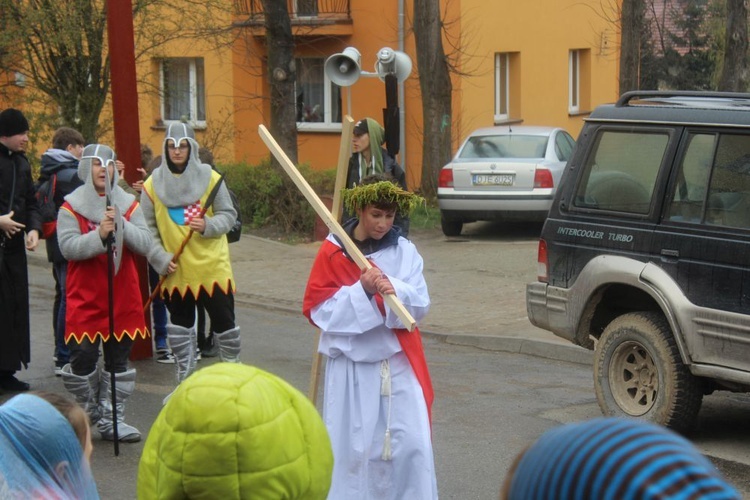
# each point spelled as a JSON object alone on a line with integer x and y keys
{"x": 40, "y": 454}
{"x": 616, "y": 459}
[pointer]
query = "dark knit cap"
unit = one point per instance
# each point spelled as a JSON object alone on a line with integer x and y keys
{"x": 615, "y": 459}
{"x": 360, "y": 127}
{"x": 12, "y": 122}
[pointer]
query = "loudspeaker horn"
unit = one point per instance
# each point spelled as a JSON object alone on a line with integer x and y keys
{"x": 343, "y": 69}
{"x": 393, "y": 62}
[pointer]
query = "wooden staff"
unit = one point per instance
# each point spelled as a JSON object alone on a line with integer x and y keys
{"x": 341, "y": 171}
{"x": 209, "y": 202}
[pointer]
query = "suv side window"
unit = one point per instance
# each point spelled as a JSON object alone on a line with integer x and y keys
{"x": 692, "y": 179}
{"x": 715, "y": 171}
{"x": 621, "y": 171}
{"x": 564, "y": 145}
{"x": 729, "y": 192}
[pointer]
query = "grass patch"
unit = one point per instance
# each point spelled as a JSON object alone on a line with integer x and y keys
{"x": 426, "y": 217}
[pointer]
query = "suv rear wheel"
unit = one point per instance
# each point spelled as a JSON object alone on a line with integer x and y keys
{"x": 638, "y": 372}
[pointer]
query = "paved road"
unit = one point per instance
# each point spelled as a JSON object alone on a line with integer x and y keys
{"x": 477, "y": 284}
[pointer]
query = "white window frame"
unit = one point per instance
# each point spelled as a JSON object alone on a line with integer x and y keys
{"x": 193, "y": 90}
{"x": 502, "y": 86}
{"x": 574, "y": 81}
{"x": 327, "y": 125}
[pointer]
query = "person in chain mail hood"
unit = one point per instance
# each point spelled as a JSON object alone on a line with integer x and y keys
{"x": 177, "y": 205}
{"x": 86, "y": 222}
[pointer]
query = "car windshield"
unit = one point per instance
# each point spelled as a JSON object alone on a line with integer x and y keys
{"x": 504, "y": 146}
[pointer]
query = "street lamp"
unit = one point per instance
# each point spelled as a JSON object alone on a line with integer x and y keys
{"x": 391, "y": 66}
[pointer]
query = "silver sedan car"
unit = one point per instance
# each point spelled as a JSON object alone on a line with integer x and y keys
{"x": 503, "y": 173}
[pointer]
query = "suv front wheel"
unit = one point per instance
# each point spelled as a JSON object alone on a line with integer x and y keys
{"x": 638, "y": 372}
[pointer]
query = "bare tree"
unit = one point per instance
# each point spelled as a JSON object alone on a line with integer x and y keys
{"x": 734, "y": 71}
{"x": 631, "y": 28}
{"x": 61, "y": 47}
{"x": 62, "y": 53}
{"x": 282, "y": 75}
{"x": 436, "y": 87}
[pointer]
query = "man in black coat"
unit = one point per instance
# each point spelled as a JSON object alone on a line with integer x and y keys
{"x": 20, "y": 226}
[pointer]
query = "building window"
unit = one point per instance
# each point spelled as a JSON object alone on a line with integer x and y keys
{"x": 183, "y": 90}
{"x": 502, "y": 86}
{"x": 318, "y": 99}
{"x": 574, "y": 83}
{"x": 306, "y": 8}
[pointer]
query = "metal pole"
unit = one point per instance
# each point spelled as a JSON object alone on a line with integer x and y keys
{"x": 401, "y": 110}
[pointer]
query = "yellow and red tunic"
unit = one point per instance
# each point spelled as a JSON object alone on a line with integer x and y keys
{"x": 87, "y": 310}
{"x": 204, "y": 262}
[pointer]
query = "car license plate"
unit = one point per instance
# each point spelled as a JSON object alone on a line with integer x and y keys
{"x": 492, "y": 179}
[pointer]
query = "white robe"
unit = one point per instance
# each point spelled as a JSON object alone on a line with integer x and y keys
{"x": 357, "y": 338}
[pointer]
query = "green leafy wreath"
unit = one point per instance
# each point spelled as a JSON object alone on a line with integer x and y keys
{"x": 384, "y": 192}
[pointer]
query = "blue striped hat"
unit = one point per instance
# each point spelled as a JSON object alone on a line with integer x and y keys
{"x": 615, "y": 459}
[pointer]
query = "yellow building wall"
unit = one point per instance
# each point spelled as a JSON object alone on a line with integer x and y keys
{"x": 540, "y": 34}
{"x": 375, "y": 25}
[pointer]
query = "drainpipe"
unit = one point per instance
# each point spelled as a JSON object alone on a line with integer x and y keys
{"x": 401, "y": 113}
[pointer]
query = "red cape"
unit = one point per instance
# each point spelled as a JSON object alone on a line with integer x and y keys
{"x": 332, "y": 270}
{"x": 87, "y": 312}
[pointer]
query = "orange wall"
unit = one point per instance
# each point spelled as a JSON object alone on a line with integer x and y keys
{"x": 539, "y": 33}
{"x": 374, "y": 27}
{"x": 542, "y": 33}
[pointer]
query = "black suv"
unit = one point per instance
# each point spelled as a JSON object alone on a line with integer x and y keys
{"x": 645, "y": 254}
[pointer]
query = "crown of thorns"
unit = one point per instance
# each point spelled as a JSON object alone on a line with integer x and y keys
{"x": 385, "y": 193}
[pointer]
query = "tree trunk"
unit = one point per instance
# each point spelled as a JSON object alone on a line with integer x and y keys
{"x": 631, "y": 25}
{"x": 734, "y": 71}
{"x": 281, "y": 75}
{"x": 436, "y": 87}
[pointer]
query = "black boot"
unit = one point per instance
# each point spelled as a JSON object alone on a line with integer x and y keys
{"x": 9, "y": 383}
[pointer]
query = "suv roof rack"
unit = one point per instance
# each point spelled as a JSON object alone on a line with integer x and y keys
{"x": 690, "y": 97}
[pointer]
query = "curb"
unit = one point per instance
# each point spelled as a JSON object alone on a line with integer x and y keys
{"x": 530, "y": 347}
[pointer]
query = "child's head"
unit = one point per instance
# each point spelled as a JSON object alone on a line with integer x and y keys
{"x": 178, "y": 144}
{"x": 376, "y": 201}
{"x": 76, "y": 415}
{"x": 41, "y": 452}
{"x": 94, "y": 160}
{"x": 613, "y": 458}
{"x": 206, "y": 156}
{"x": 366, "y": 133}
{"x": 146, "y": 155}
{"x": 380, "y": 191}
{"x": 234, "y": 430}
{"x": 70, "y": 140}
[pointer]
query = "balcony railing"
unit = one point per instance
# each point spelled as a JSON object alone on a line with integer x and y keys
{"x": 298, "y": 9}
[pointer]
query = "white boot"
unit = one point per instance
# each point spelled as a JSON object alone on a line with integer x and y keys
{"x": 229, "y": 345}
{"x": 125, "y": 385}
{"x": 85, "y": 390}
{"x": 183, "y": 343}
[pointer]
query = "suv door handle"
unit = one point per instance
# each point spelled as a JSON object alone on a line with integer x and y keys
{"x": 670, "y": 253}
